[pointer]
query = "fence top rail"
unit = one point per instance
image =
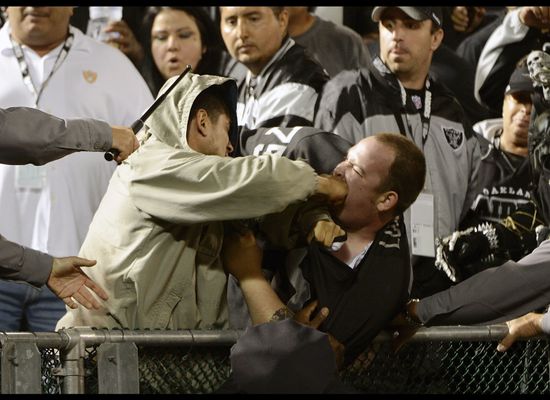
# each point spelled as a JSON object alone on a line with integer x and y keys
{"x": 65, "y": 338}
{"x": 42, "y": 339}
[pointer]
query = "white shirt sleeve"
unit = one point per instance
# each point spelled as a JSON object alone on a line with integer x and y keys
{"x": 512, "y": 30}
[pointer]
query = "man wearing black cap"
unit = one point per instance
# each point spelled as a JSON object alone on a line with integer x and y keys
{"x": 416, "y": 13}
{"x": 503, "y": 208}
{"x": 396, "y": 94}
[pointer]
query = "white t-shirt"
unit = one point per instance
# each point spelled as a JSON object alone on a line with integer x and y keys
{"x": 49, "y": 208}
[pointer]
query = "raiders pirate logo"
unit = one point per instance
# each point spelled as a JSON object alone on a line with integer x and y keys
{"x": 89, "y": 76}
{"x": 454, "y": 137}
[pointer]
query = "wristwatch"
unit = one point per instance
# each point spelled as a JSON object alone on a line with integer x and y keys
{"x": 413, "y": 320}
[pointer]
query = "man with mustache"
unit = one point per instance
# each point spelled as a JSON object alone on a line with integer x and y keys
{"x": 396, "y": 94}
{"x": 283, "y": 82}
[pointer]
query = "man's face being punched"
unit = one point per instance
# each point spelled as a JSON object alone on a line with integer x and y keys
{"x": 365, "y": 170}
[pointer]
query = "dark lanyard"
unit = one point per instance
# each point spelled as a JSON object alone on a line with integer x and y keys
{"x": 425, "y": 118}
{"x": 23, "y": 66}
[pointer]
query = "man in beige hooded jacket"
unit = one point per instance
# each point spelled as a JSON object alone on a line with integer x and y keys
{"x": 157, "y": 233}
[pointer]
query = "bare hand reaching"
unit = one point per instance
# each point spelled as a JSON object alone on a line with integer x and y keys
{"x": 68, "y": 282}
{"x": 523, "y": 327}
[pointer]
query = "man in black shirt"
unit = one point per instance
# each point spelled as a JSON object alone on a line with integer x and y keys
{"x": 365, "y": 280}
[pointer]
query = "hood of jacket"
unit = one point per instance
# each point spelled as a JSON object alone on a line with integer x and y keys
{"x": 168, "y": 123}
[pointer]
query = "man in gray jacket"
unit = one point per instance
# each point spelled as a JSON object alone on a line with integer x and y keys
{"x": 21, "y": 145}
{"x": 396, "y": 94}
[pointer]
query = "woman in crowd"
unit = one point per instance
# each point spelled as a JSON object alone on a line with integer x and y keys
{"x": 178, "y": 36}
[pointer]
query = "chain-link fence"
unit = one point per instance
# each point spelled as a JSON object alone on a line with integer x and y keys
{"x": 447, "y": 360}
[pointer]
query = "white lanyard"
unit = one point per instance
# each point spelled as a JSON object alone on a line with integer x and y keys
{"x": 18, "y": 51}
{"x": 427, "y": 111}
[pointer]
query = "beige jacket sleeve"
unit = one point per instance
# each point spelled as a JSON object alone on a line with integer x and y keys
{"x": 188, "y": 187}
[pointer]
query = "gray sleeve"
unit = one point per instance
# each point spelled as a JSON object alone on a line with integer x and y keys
{"x": 545, "y": 323}
{"x": 494, "y": 295}
{"x": 32, "y": 136}
{"x": 23, "y": 264}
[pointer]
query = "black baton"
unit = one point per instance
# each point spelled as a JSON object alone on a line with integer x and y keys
{"x": 137, "y": 125}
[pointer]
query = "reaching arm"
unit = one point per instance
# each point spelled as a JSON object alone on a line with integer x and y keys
{"x": 243, "y": 258}
{"x": 62, "y": 275}
{"x": 516, "y": 36}
{"x": 32, "y": 136}
{"x": 188, "y": 187}
{"x": 21, "y": 263}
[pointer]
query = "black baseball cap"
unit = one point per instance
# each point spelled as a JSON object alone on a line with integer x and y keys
{"x": 520, "y": 81}
{"x": 416, "y": 13}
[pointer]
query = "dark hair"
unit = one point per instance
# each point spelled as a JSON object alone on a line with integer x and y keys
{"x": 213, "y": 101}
{"x": 210, "y": 38}
{"x": 407, "y": 172}
{"x": 277, "y": 10}
{"x": 434, "y": 28}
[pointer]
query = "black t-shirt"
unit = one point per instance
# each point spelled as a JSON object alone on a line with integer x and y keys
{"x": 363, "y": 300}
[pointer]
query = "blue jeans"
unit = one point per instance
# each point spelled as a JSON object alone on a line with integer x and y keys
{"x": 26, "y": 308}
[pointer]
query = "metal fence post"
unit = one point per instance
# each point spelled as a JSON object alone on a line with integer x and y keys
{"x": 21, "y": 372}
{"x": 72, "y": 361}
{"x": 117, "y": 368}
